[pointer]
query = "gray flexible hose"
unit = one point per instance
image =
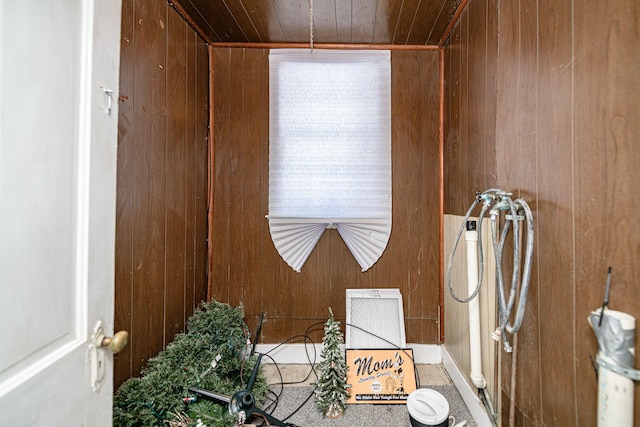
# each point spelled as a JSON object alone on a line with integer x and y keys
{"x": 491, "y": 199}
{"x": 505, "y": 309}
{"x": 526, "y": 274}
{"x": 480, "y": 255}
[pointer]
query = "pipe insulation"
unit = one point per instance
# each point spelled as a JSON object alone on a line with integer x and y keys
{"x": 475, "y": 350}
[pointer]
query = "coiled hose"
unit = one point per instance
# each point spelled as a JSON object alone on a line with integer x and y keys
{"x": 497, "y": 200}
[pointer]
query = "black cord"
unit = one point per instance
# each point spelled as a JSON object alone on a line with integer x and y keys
{"x": 258, "y": 331}
{"x": 311, "y": 359}
{"x": 312, "y": 362}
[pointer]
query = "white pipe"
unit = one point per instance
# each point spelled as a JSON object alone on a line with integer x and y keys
{"x": 476, "y": 375}
{"x": 615, "y": 391}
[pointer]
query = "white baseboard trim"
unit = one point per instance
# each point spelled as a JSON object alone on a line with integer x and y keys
{"x": 301, "y": 354}
{"x": 468, "y": 394}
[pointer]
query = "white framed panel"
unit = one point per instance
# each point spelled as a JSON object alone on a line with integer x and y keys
{"x": 374, "y": 319}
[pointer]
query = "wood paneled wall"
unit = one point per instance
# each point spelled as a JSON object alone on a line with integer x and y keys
{"x": 542, "y": 99}
{"x": 162, "y": 180}
{"x": 246, "y": 268}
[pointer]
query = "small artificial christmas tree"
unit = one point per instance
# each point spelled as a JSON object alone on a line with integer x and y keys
{"x": 331, "y": 387}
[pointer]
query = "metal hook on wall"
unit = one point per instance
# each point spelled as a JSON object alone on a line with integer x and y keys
{"x": 109, "y": 99}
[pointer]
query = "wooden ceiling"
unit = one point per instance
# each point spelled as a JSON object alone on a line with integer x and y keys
{"x": 370, "y": 22}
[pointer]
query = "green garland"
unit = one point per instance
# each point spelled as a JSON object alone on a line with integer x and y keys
{"x": 156, "y": 397}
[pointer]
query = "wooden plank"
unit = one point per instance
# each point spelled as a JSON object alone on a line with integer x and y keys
{"x": 403, "y": 165}
{"x": 474, "y": 20}
{"x": 452, "y": 144}
{"x": 237, "y": 165}
{"x": 445, "y": 21}
{"x": 219, "y": 256}
{"x": 276, "y": 329}
{"x": 489, "y": 102}
{"x": 415, "y": 292}
{"x": 192, "y": 278}
{"x": 215, "y": 18}
{"x": 188, "y": 12}
{"x": 523, "y": 182}
{"x": 192, "y": 14}
{"x": 363, "y": 17}
{"x": 516, "y": 158}
{"x": 463, "y": 155}
{"x": 124, "y": 201}
{"x": 605, "y": 126}
{"x": 176, "y": 161}
{"x": 242, "y": 15}
{"x": 201, "y": 123}
{"x": 448, "y": 130}
{"x": 441, "y": 192}
{"x": 265, "y": 20}
{"x": 431, "y": 189}
{"x": 156, "y": 221}
{"x": 263, "y": 229}
{"x": 423, "y": 22}
{"x": 557, "y": 372}
{"x": 293, "y": 16}
{"x": 387, "y": 17}
{"x": 406, "y": 21}
{"x": 507, "y": 134}
{"x": 252, "y": 218}
{"x": 149, "y": 173}
{"x": 509, "y": 118}
{"x": 279, "y": 278}
{"x": 416, "y": 124}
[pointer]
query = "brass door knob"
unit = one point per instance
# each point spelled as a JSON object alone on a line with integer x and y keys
{"x": 117, "y": 343}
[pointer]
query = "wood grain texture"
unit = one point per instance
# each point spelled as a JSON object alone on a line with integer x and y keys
{"x": 176, "y": 159}
{"x": 159, "y": 279}
{"x": 202, "y": 170}
{"x": 554, "y": 122}
{"x": 242, "y": 246}
{"x": 147, "y": 331}
{"x": 124, "y": 203}
{"x": 423, "y": 28}
{"x": 555, "y": 153}
{"x": 398, "y": 22}
{"x": 606, "y": 159}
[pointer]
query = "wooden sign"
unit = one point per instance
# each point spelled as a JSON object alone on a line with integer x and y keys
{"x": 380, "y": 376}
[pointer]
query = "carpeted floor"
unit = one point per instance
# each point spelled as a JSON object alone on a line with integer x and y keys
{"x": 360, "y": 415}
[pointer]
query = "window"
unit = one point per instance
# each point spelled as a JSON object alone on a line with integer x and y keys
{"x": 330, "y": 151}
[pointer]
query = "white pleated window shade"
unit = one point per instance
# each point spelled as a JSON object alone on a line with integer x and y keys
{"x": 330, "y": 151}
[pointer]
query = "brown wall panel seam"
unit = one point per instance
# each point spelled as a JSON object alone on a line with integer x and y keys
{"x": 441, "y": 192}
{"x": 210, "y": 175}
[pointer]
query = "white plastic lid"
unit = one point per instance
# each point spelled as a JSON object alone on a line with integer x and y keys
{"x": 428, "y": 406}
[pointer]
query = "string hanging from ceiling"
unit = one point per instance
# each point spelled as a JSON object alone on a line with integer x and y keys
{"x": 311, "y": 24}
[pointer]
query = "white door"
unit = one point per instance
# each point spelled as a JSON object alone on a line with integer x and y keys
{"x": 57, "y": 208}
